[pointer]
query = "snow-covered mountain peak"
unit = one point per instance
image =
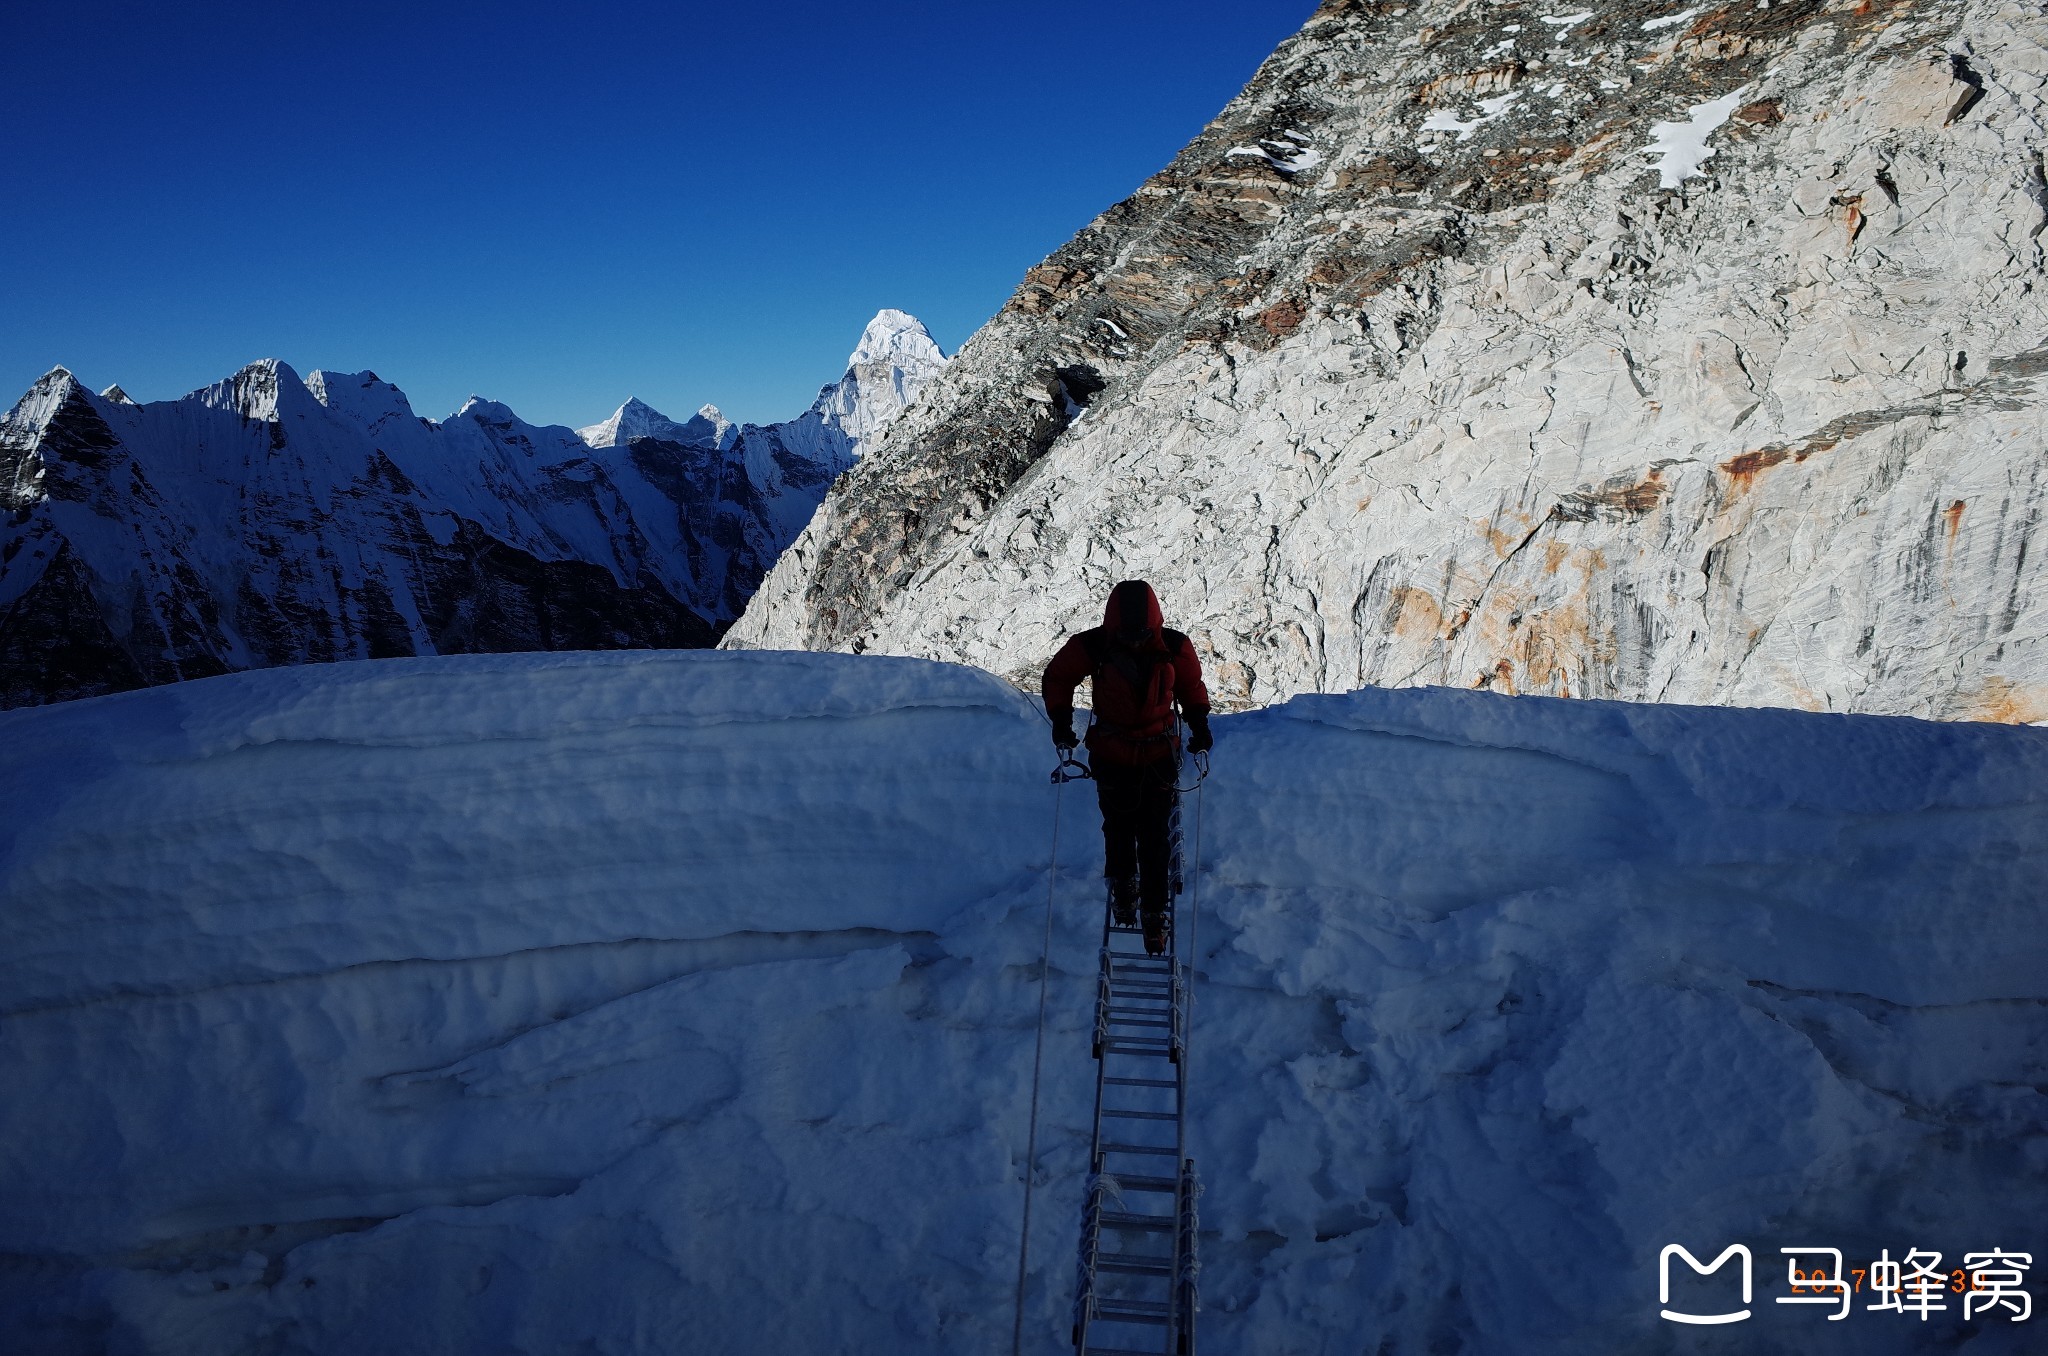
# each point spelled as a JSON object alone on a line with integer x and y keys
{"x": 710, "y": 426}
{"x": 285, "y": 520}
{"x": 897, "y": 337}
{"x": 364, "y": 399}
{"x": 55, "y": 384}
{"x": 896, "y": 356}
{"x": 634, "y": 419}
{"x": 118, "y": 396}
{"x": 637, "y": 419}
{"x": 485, "y": 411}
{"x": 26, "y": 423}
{"x": 258, "y": 392}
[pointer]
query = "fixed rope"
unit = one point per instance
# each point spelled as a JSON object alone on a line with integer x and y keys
{"x": 1060, "y": 777}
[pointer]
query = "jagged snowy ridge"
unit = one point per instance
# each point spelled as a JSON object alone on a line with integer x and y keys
{"x": 266, "y": 520}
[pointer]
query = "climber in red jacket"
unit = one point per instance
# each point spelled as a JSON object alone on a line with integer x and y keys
{"x": 1140, "y": 669}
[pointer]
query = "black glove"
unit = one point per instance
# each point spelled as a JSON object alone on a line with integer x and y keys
{"x": 1063, "y": 736}
{"x": 1202, "y": 741}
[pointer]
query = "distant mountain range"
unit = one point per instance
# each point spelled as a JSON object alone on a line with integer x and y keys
{"x": 270, "y": 519}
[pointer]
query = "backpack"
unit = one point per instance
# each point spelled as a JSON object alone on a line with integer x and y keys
{"x": 1136, "y": 709}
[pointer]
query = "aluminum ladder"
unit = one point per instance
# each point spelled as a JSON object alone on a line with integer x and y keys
{"x": 1138, "y": 1222}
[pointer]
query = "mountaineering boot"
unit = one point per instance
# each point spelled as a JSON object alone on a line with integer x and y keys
{"x": 1155, "y": 934}
{"x": 1123, "y": 900}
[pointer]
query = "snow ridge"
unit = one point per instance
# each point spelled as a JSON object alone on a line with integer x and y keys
{"x": 481, "y": 1004}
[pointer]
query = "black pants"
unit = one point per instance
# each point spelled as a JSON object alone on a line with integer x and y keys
{"x": 1137, "y": 812}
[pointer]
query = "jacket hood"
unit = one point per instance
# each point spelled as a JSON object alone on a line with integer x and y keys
{"x": 1133, "y": 607}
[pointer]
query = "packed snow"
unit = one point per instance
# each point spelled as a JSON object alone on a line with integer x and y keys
{"x": 1669, "y": 20}
{"x": 1443, "y": 120}
{"x": 1681, "y": 147}
{"x": 1289, "y": 156}
{"x": 683, "y": 1002}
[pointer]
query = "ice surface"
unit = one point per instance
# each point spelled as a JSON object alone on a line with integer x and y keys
{"x": 682, "y": 1003}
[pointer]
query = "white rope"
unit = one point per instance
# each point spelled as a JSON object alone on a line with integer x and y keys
{"x": 1052, "y": 873}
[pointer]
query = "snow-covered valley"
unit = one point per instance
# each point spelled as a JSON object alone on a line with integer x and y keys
{"x": 683, "y": 1002}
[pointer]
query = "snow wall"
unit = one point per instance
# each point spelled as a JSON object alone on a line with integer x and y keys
{"x": 684, "y": 1003}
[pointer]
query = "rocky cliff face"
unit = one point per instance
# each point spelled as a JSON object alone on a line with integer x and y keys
{"x": 268, "y": 520}
{"x": 1670, "y": 354}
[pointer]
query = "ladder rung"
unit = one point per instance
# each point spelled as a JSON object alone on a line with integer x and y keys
{"x": 1163, "y": 1185}
{"x": 1133, "y": 1264}
{"x": 1117, "y": 1219}
{"x": 1166, "y": 1149}
{"x": 1131, "y": 1305}
{"x": 1115, "y": 1020}
{"x": 1103, "y": 1315}
{"x": 1117, "y": 1351}
{"x": 1137, "y": 1046}
{"x": 1142, "y": 1115}
{"x": 1142, "y": 1082}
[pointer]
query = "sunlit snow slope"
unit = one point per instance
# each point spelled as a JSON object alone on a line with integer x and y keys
{"x": 652, "y": 1002}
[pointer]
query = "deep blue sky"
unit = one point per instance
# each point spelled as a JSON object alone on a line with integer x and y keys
{"x": 559, "y": 205}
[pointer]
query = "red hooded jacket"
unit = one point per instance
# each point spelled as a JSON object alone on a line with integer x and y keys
{"x": 1140, "y": 669}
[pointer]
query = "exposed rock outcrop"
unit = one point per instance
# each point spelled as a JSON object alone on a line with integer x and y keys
{"x": 1411, "y": 369}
